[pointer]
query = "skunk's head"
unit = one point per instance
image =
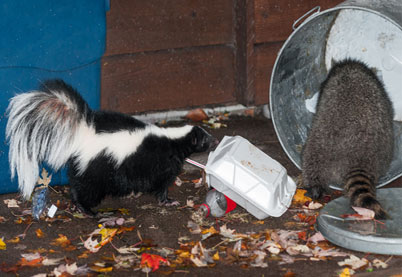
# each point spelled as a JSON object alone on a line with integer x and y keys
{"x": 201, "y": 140}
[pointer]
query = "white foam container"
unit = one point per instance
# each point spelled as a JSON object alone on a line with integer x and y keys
{"x": 250, "y": 177}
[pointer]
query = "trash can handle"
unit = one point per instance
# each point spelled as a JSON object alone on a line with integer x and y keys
{"x": 316, "y": 10}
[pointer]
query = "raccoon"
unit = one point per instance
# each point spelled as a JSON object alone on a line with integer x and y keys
{"x": 351, "y": 139}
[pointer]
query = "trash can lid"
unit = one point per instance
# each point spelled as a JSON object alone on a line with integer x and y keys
{"x": 381, "y": 237}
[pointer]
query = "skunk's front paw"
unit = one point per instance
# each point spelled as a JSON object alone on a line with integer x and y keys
{"x": 168, "y": 202}
{"x": 87, "y": 212}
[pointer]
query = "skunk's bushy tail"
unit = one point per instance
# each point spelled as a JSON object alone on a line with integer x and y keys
{"x": 41, "y": 127}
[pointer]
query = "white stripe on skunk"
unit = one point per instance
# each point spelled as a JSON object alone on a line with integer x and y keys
{"x": 55, "y": 125}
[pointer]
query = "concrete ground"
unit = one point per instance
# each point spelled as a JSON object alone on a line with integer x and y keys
{"x": 133, "y": 229}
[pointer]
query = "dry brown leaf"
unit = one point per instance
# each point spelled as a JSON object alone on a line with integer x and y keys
{"x": 62, "y": 241}
{"x": 197, "y": 115}
{"x": 39, "y": 233}
{"x": 300, "y": 198}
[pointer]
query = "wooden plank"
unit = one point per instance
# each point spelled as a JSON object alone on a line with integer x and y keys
{"x": 265, "y": 56}
{"x": 244, "y": 27}
{"x": 148, "y": 25}
{"x": 168, "y": 80}
{"x": 274, "y": 18}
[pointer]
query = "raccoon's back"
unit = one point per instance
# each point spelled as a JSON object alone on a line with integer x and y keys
{"x": 353, "y": 123}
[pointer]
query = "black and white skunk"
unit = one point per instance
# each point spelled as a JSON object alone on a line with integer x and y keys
{"x": 107, "y": 153}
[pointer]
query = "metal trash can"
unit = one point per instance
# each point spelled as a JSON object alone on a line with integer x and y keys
{"x": 370, "y": 31}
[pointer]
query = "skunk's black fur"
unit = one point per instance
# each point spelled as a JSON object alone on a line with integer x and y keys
{"x": 107, "y": 153}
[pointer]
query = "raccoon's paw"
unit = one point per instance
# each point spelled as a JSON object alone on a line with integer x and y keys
{"x": 315, "y": 192}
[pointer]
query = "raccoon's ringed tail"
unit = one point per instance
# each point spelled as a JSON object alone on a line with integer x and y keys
{"x": 358, "y": 186}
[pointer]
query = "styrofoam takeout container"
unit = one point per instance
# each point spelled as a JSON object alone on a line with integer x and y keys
{"x": 250, "y": 177}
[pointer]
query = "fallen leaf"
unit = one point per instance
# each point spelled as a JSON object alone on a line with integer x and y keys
{"x": 178, "y": 182}
{"x": 314, "y": 205}
{"x": 48, "y": 262}
{"x": 46, "y": 179}
{"x": 31, "y": 256}
{"x": 124, "y": 261}
{"x": 183, "y": 238}
{"x": 226, "y": 232}
{"x": 289, "y": 273}
{"x": 91, "y": 245}
{"x": 286, "y": 259}
{"x": 21, "y": 247}
{"x": 354, "y": 262}
{"x": 365, "y": 213}
{"x": 198, "y": 262}
{"x": 111, "y": 221}
{"x": 12, "y": 203}
{"x": 259, "y": 260}
{"x": 123, "y": 229}
{"x": 378, "y": 263}
{"x": 107, "y": 234}
{"x": 332, "y": 252}
{"x": 298, "y": 249}
{"x": 300, "y": 198}
{"x": 216, "y": 257}
{"x": 14, "y": 240}
{"x": 217, "y": 125}
{"x": 197, "y": 183}
{"x": 190, "y": 203}
{"x": 124, "y": 211}
{"x": 210, "y": 230}
{"x": 31, "y": 263}
{"x": 197, "y": 115}
{"x": 101, "y": 269}
{"x": 152, "y": 261}
{"x": 194, "y": 228}
{"x": 62, "y": 241}
{"x": 39, "y": 233}
{"x": 316, "y": 238}
{"x": 84, "y": 255}
{"x": 302, "y": 235}
{"x": 3, "y": 245}
{"x": 347, "y": 272}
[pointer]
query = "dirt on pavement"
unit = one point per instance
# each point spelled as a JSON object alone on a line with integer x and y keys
{"x": 141, "y": 227}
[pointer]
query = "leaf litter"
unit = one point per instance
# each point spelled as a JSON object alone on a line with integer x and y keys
{"x": 207, "y": 243}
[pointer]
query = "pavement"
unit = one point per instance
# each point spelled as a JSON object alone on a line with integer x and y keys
{"x": 236, "y": 244}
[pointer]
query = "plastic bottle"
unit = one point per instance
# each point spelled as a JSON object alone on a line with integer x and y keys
{"x": 217, "y": 204}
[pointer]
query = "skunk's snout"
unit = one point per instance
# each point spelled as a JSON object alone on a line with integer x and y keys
{"x": 214, "y": 143}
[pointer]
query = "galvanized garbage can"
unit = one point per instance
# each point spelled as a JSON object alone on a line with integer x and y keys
{"x": 370, "y": 31}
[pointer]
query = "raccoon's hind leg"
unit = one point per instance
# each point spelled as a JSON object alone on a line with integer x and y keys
{"x": 361, "y": 190}
{"x": 314, "y": 186}
{"x": 313, "y": 179}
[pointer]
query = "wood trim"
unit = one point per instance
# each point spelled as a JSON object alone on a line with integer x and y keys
{"x": 244, "y": 51}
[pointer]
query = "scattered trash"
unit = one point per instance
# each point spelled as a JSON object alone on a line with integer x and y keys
{"x": 40, "y": 195}
{"x": 250, "y": 177}
{"x": 217, "y": 204}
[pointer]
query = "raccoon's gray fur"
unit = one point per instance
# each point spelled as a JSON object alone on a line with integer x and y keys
{"x": 351, "y": 139}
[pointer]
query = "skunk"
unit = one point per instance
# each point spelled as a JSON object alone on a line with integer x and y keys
{"x": 107, "y": 153}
